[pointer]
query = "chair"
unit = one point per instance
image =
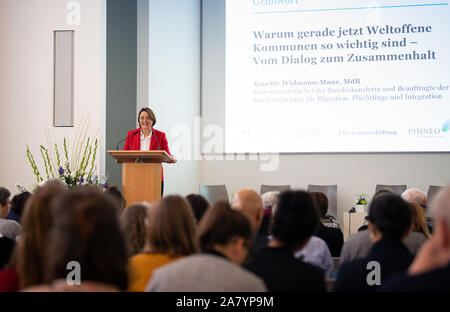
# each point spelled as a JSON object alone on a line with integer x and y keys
{"x": 396, "y": 189}
{"x": 432, "y": 191}
{"x": 331, "y": 192}
{"x": 214, "y": 193}
{"x": 271, "y": 188}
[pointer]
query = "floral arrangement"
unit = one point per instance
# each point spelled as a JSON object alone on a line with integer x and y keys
{"x": 361, "y": 199}
{"x": 74, "y": 171}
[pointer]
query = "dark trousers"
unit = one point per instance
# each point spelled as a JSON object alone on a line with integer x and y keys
{"x": 162, "y": 188}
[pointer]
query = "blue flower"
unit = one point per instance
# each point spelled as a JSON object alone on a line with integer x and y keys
{"x": 105, "y": 185}
{"x": 61, "y": 171}
{"x": 81, "y": 180}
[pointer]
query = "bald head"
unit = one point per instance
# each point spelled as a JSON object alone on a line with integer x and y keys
{"x": 250, "y": 204}
{"x": 440, "y": 206}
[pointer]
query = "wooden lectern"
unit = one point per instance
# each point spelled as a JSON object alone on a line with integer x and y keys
{"x": 141, "y": 174}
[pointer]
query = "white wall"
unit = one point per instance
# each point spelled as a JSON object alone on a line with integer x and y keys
{"x": 26, "y": 78}
{"x": 174, "y": 80}
{"x": 353, "y": 173}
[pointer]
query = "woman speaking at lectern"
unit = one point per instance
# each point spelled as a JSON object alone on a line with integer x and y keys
{"x": 145, "y": 138}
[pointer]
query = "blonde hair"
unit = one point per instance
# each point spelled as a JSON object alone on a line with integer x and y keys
{"x": 171, "y": 227}
{"x": 419, "y": 220}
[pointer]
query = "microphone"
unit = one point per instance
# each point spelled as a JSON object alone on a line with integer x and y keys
{"x": 125, "y": 139}
{"x": 159, "y": 147}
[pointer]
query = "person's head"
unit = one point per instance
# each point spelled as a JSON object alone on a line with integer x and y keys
{"x": 419, "y": 220}
{"x": 118, "y": 198}
{"x": 270, "y": 199}
{"x": 227, "y": 231}
{"x": 440, "y": 210}
{"x": 414, "y": 195}
{"x": 86, "y": 230}
{"x": 171, "y": 227}
{"x": 296, "y": 219}
{"x": 133, "y": 223}
{"x": 199, "y": 205}
{"x": 381, "y": 192}
{"x": 36, "y": 223}
{"x": 18, "y": 203}
{"x": 4, "y": 202}
{"x": 250, "y": 204}
{"x": 321, "y": 201}
{"x": 146, "y": 118}
{"x": 389, "y": 216}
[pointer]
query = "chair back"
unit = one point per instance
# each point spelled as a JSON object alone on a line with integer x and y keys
{"x": 271, "y": 188}
{"x": 394, "y": 188}
{"x": 214, "y": 193}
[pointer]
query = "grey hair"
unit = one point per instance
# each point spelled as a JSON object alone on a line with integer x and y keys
{"x": 270, "y": 199}
{"x": 414, "y": 195}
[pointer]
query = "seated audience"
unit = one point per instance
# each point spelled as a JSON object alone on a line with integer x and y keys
{"x": 6, "y": 249}
{"x": 171, "y": 235}
{"x": 118, "y": 198}
{"x": 389, "y": 223}
{"x": 33, "y": 242}
{"x": 9, "y": 280}
{"x": 132, "y": 222}
{"x": 17, "y": 204}
{"x": 250, "y": 204}
{"x": 332, "y": 236}
{"x": 85, "y": 230}
{"x": 378, "y": 193}
{"x": 8, "y": 228}
{"x": 269, "y": 202}
{"x": 295, "y": 221}
{"x": 199, "y": 205}
{"x": 224, "y": 236}
{"x": 414, "y": 195}
{"x": 430, "y": 270}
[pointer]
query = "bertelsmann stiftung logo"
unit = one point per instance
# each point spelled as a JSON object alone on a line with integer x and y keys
{"x": 446, "y": 126}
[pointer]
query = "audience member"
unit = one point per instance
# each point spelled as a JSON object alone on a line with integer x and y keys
{"x": 6, "y": 249}
{"x": 8, "y": 228}
{"x": 377, "y": 193}
{"x": 4, "y": 202}
{"x": 295, "y": 221}
{"x": 171, "y": 235}
{"x": 332, "y": 236}
{"x": 132, "y": 222}
{"x": 118, "y": 198}
{"x": 316, "y": 252}
{"x": 419, "y": 220}
{"x": 389, "y": 223}
{"x": 17, "y": 204}
{"x": 36, "y": 222}
{"x": 269, "y": 202}
{"x": 85, "y": 231}
{"x": 250, "y": 204}
{"x": 224, "y": 236}
{"x": 199, "y": 205}
{"x": 430, "y": 270}
{"x": 9, "y": 280}
{"x": 414, "y": 195}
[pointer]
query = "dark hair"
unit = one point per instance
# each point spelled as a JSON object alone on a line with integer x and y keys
{"x": 296, "y": 218}
{"x": 221, "y": 224}
{"x": 381, "y": 192}
{"x": 18, "y": 202}
{"x": 86, "y": 229}
{"x": 4, "y": 195}
{"x": 118, "y": 197}
{"x": 150, "y": 113}
{"x": 34, "y": 239}
{"x": 321, "y": 201}
{"x": 199, "y": 205}
{"x": 133, "y": 226}
{"x": 391, "y": 215}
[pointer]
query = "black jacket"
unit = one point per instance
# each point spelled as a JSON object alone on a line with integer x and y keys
{"x": 392, "y": 256}
{"x": 281, "y": 271}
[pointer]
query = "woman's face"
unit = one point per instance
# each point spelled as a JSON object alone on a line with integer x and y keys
{"x": 145, "y": 121}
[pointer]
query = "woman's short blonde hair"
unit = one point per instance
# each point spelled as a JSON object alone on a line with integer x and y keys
{"x": 171, "y": 227}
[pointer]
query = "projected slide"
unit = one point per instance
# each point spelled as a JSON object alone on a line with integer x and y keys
{"x": 337, "y": 76}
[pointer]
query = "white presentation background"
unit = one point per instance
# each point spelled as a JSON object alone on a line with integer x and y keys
{"x": 289, "y": 107}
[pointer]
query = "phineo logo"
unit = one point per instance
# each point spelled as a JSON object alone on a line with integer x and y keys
{"x": 446, "y": 126}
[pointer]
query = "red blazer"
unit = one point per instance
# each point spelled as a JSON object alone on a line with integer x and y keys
{"x": 133, "y": 142}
